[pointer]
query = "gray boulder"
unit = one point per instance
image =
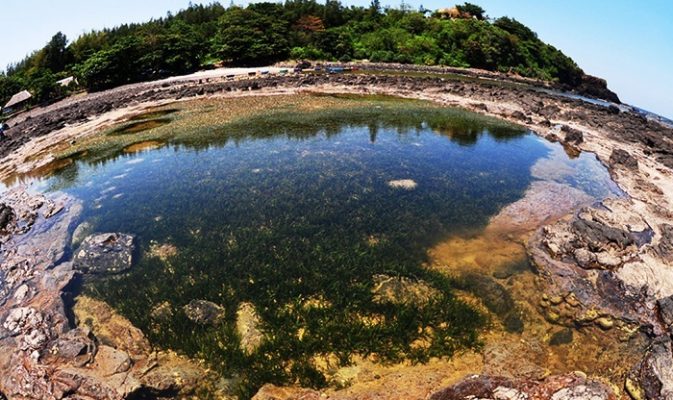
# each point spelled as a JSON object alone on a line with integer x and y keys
{"x": 204, "y": 312}
{"x": 105, "y": 253}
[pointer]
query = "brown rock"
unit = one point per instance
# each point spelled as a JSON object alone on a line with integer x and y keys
{"x": 76, "y": 347}
{"x": 666, "y": 310}
{"x": 620, "y": 157}
{"x": 655, "y": 373}
{"x": 573, "y": 135}
{"x": 173, "y": 373}
{"x": 110, "y": 361}
{"x": 272, "y": 392}
{"x": 109, "y": 327}
{"x": 665, "y": 246}
{"x": 519, "y": 115}
{"x": 561, "y": 387}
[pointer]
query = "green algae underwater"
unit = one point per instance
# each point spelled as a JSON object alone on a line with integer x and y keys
{"x": 296, "y": 212}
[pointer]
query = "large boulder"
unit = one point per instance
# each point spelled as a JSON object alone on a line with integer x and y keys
{"x": 105, "y": 253}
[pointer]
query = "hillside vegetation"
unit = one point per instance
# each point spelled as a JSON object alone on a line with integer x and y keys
{"x": 264, "y": 33}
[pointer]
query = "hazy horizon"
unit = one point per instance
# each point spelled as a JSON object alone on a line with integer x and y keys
{"x": 625, "y": 42}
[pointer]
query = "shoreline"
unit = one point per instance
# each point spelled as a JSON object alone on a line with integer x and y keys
{"x": 626, "y": 280}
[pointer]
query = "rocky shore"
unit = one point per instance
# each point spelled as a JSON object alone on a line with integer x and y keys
{"x": 51, "y": 349}
{"x": 608, "y": 266}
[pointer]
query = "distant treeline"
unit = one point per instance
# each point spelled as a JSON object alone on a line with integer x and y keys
{"x": 264, "y": 33}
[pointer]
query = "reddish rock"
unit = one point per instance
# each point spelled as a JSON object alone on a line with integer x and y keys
{"x": 563, "y": 387}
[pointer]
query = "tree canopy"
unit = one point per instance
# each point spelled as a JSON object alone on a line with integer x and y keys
{"x": 263, "y": 33}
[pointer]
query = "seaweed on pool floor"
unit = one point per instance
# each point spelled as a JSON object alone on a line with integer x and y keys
{"x": 297, "y": 219}
{"x": 495, "y": 297}
{"x": 139, "y": 126}
{"x": 154, "y": 113}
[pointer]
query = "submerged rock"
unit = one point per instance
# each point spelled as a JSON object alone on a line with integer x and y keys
{"x": 564, "y": 336}
{"x": 120, "y": 360}
{"x": 82, "y": 231}
{"x": 504, "y": 359}
{"x": 105, "y": 253}
{"x": 405, "y": 184}
{"x": 495, "y": 297}
{"x": 248, "y": 326}
{"x": 110, "y": 361}
{"x": 162, "y": 251}
{"x": 401, "y": 290}
{"x": 605, "y": 323}
{"x": 109, "y": 327}
{"x": 162, "y": 311}
{"x": 202, "y": 312}
{"x": 172, "y": 373}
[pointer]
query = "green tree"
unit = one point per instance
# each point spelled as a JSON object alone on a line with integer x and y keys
{"x": 263, "y": 33}
{"x": 375, "y": 8}
{"x": 111, "y": 67}
{"x": 56, "y": 54}
{"x": 42, "y": 85}
{"x": 247, "y": 37}
{"x": 515, "y": 27}
{"x": 414, "y": 22}
{"x": 9, "y": 85}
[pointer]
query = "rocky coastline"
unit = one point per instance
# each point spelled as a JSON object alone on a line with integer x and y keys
{"x": 608, "y": 265}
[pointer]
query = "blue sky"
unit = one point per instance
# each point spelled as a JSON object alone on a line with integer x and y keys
{"x": 629, "y": 43}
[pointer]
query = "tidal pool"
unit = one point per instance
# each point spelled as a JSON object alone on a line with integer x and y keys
{"x": 302, "y": 215}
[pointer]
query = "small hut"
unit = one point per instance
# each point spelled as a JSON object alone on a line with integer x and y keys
{"x": 67, "y": 81}
{"x": 452, "y": 13}
{"x": 17, "y": 101}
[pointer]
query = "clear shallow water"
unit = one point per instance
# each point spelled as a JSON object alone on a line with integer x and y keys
{"x": 290, "y": 214}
